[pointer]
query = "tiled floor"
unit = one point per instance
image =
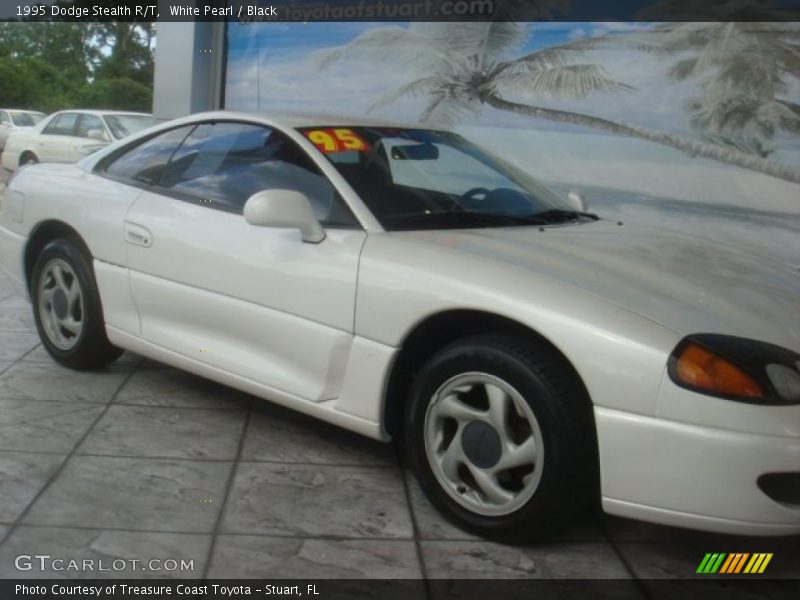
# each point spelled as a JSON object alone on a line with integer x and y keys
{"x": 141, "y": 461}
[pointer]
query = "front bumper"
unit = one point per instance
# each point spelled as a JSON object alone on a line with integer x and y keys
{"x": 695, "y": 476}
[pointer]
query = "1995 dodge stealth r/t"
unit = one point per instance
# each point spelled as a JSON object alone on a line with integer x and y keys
{"x": 530, "y": 357}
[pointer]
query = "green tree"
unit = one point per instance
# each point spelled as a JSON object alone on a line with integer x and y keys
{"x": 117, "y": 94}
{"x": 126, "y": 52}
{"x": 52, "y": 66}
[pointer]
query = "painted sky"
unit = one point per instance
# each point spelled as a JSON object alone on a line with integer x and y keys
{"x": 275, "y": 64}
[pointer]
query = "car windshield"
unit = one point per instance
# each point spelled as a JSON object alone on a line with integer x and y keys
{"x": 426, "y": 179}
{"x": 124, "y": 125}
{"x": 26, "y": 119}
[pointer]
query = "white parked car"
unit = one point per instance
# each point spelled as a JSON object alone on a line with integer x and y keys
{"x": 401, "y": 282}
{"x": 12, "y": 119}
{"x": 70, "y": 135}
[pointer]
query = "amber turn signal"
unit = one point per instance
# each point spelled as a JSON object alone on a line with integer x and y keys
{"x": 698, "y": 368}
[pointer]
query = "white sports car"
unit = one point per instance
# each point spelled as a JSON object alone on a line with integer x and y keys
{"x": 401, "y": 282}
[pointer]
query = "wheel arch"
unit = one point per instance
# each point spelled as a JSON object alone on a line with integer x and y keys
{"x": 42, "y": 234}
{"x": 439, "y": 330}
{"x": 23, "y": 154}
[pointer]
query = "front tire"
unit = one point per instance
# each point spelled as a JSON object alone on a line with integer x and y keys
{"x": 502, "y": 438}
{"x": 67, "y": 308}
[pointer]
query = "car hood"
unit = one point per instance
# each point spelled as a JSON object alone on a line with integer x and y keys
{"x": 679, "y": 281}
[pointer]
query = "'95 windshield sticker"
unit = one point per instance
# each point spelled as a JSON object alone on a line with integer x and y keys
{"x": 336, "y": 140}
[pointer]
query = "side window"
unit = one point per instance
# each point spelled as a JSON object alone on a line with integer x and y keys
{"x": 146, "y": 162}
{"x": 62, "y": 125}
{"x": 223, "y": 164}
{"x": 91, "y": 123}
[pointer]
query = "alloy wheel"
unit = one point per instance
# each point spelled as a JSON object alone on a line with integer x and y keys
{"x": 60, "y": 304}
{"x": 484, "y": 444}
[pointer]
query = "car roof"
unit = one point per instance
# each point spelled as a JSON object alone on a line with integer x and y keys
{"x": 294, "y": 120}
{"x": 94, "y": 111}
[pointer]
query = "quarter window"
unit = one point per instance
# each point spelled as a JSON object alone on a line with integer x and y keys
{"x": 62, "y": 125}
{"x": 223, "y": 164}
{"x": 146, "y": 162}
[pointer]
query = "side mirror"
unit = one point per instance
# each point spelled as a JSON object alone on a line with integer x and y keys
{"x": 284, "y": 208}
{"x": 577, "y": 200}
{"x": 97, "y": 134}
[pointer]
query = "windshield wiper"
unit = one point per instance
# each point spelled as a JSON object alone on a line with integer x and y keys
{"x": 459, "y": 218}
{"x": 560, "y": 215}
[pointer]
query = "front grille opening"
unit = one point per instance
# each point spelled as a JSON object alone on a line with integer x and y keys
{"x": 781, "y": 487}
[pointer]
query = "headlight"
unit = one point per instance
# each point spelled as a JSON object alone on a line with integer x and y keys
{"x": 737, "y": 369}
{"x": 786, "y": 381}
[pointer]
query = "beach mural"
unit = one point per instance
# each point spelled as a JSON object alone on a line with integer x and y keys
{"x": 691, "y": 126}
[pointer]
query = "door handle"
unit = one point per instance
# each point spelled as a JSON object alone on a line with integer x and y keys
{"x": 138, "y": 235}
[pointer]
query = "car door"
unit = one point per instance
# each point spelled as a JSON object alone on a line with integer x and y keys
{"x": 123, "y": 175}
{"x": 257, "y": 302}
{"x": 90, "y": 136}
{"x": 56, "y": 141}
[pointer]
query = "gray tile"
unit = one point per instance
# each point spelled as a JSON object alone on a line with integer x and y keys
{"x": 103, "y": 548}
{"x": 432, "y": 525}
{"x": 629, "y": 533}
{"x": 324, "y": 559}
{"x": 7, "y": 289}
{"x": 40, "y": 355}
{"x": 22, "y": 475}
{"x": 679, "y": 560}
{"x": 485, "y": 560}
{"x": 280, "y": 435}
{"x": 351, "y": 502}
{"x": 30, "y": 381}
{"x": 662, "y": 559}
{"x": 668, "y": 570}
{"x": 4, "y": 365}
{"x": 44, "y": 426}
{"x": 180, "y": 389}
{"x": 15, "y": 345}
{"x": 16, "y": 315}
{"x": 630, "y": 530}
{"x": 133, "y": 493}
{"x": 166, "y": 432}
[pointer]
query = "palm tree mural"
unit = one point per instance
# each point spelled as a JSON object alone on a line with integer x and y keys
{"x": 459, "y": 68}
{"x": 744, "y": 66}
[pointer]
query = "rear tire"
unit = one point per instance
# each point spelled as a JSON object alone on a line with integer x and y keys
{"x": 28, "y": 158}
{"x": 500, "y": 435}
{"x": 67, "y": 308}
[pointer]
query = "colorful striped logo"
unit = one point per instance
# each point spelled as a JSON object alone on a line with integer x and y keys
{"x": 734, "y": 563}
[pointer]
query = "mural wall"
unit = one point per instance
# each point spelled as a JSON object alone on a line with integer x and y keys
{"x": 693, "y": 126}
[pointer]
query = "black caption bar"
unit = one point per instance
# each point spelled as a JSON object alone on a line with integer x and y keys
{"x": 400, "y": 10}
{"x": 460, "y": 589}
